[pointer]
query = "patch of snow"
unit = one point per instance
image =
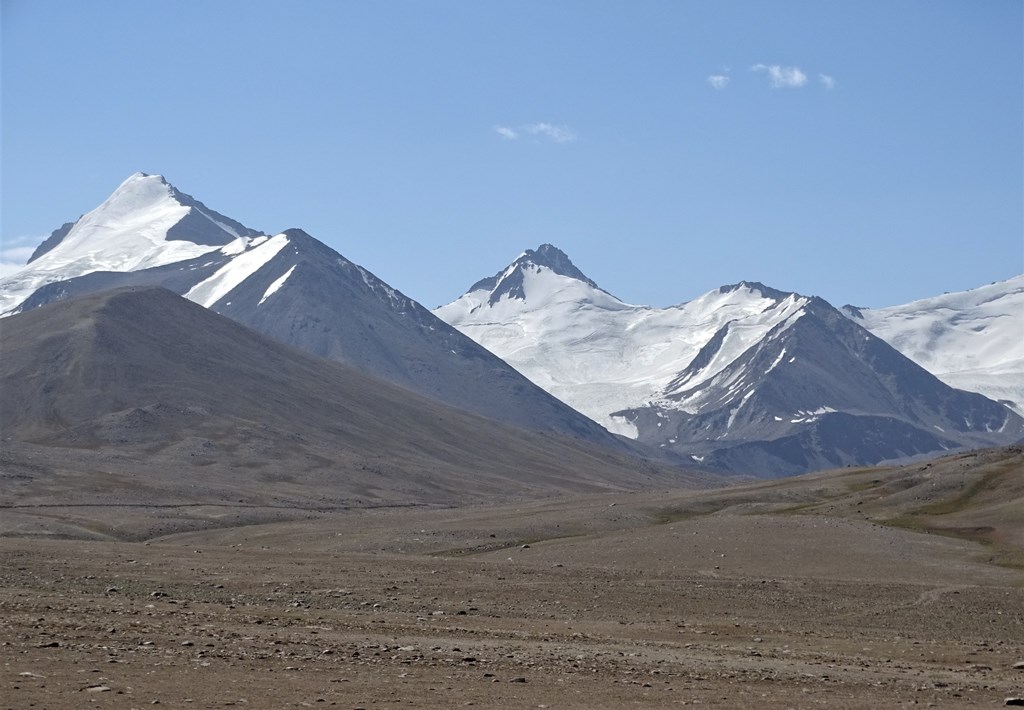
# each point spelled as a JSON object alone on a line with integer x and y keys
{"x": 777, "y": 361}
{"x": 734, "y": 412}
{"x": 227, "y": 277}
{"x": 273, "y": 288}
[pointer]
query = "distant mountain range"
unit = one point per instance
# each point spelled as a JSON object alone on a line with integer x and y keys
{"x": 745, "y": 377}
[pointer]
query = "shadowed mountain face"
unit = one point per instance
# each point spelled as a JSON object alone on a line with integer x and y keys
{"x": 135, "y": 395}
{"x": 292, "y": 288}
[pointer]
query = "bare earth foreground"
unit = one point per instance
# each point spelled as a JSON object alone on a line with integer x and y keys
{"x": 856, "y": 589}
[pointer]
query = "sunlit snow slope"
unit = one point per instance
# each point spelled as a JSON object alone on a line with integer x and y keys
{"x": 972, "y": 340}
{"x": 143, "y": 224}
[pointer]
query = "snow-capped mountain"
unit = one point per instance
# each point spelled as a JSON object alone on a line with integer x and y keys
{"x": 972, "y": 340}
{"x": 597, "y": 353}
{"x": 145, "y": 223}
{"x": 288, "y": 286}
{"x": 743, "y": 376}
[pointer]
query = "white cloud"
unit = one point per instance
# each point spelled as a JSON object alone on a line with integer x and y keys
{"x": 15, "y": 253}
{"x": 558, "y": 134}
{"x": 543, "y": 131}
{"x": 505, "y": 132}
{"x": 719, "y": 81}
{"x": 827, "y": 81}
{"x": 780, "y": 77}
{"x": 13, "y": 258}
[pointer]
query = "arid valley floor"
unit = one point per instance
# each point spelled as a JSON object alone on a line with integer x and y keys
{"x": 874, "y": 588}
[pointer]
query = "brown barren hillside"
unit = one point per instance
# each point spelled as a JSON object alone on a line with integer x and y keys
{"x": 141, "y": 397}
{"x": 894, "y": 587}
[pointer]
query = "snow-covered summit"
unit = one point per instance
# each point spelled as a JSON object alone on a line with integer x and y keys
{"x": 508, "y": 282}
{"x": 146, "y": 222}
{"x": 537, "y": 281}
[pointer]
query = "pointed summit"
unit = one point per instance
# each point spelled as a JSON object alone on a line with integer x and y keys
{"x": 536, "y": 267}
{"x": 146, "y": 222}
{"x": 551, "y": 257}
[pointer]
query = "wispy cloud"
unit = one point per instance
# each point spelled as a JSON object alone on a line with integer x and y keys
{"x": 719, "y": 81}
{"x": 15, "y": 253}
{"x": 827, "y": 81}
{"x": 558, "y": 134}
{"x": 780, "y": 77}
{"x": 543, "y": 131}
{"x": 507, "y": 133}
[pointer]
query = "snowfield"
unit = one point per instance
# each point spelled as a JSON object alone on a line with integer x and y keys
{"x": 971, "y": 340}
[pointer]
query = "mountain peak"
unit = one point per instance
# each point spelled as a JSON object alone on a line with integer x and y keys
{"x": 551, "y": 257}
{"x": 146, "y": 222}
{"x": 758, "y": 287}
{"x": 510, "y": 281}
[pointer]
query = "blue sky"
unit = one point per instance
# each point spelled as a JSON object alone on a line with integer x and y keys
{"x": 865, "y": 151}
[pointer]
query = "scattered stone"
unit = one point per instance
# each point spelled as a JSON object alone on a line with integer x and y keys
{"x": 1017, "y": 702}
{"x": 1019, "y": 665}
{"x": 520, "y": 679}
{"x": 97, "y": 689}
{"x": 30, "y": 674}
